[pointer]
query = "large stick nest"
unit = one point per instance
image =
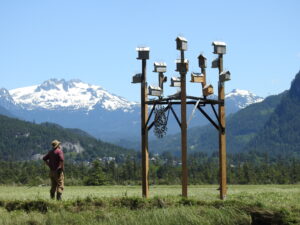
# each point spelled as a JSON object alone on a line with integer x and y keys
{"x": 160, "y": 122}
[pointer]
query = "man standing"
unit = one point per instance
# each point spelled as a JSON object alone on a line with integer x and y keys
{"x": 55, "y": 161}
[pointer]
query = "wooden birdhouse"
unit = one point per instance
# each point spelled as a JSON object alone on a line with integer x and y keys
{"x": 143, "y": 52}
{"x": 154, "y": 91}
{"x": 175, "y": 82}
{"x": 219, "y": 47}
{"x": 197, "y": 78}
{"x": 137, "y": 78}
{"x": 202, "y": 61}
{"x": 160, "y": 67}
{"x": 224, "y": 76}
{"x": 215, "y": 63}
{"x": 208, "y": 90}
{"x": 181, "y": 43}
{"x": 182, "y": 66}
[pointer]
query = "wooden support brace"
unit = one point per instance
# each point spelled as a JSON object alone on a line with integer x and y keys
{"x": 215, "y": 112}
{"x": 175, "y": 116}
{"x": 208, "y": 117}
{"x": 150, "y": 115}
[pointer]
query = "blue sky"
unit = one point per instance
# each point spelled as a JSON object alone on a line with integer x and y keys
{"x": 95, "y": 41}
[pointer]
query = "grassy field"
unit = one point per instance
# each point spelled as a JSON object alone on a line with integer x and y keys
{"x": 245, "y": 204}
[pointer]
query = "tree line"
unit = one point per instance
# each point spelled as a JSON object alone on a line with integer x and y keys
{"x": 243, "y": 168}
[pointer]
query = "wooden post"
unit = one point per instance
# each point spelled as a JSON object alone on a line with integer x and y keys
{"x": 161, "y": 80}
{"x": 222, "y": 134}
{"x": 203, "y": 71}
{"x": 183, "y": 129}
{"x": 144, "y": 131}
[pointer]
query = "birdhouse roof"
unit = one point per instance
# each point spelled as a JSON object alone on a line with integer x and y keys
{"x": 208, "y": 85}
{"x": 160, "y": 64}
{"x": 137, "y": 75}
{"x": 181, "y": 39}
{"x": 225, "y": 72}
{"x": 198, "y": 74}
{"x": 219, "y": 43}
{"x": 139, "y": 49}
{"x": 179, "y": 61}
{"x": 175, "y": 78}
{"x": 201, "y": 56}
{"x": 154, "y": 87}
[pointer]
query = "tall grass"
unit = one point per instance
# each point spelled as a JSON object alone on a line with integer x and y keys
{"x": 280, "y": 204}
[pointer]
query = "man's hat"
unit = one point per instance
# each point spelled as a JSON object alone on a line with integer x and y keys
{"x": 55, "y": 144}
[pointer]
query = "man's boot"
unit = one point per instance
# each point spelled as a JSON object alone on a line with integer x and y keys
{"x": 52, "y": 195}
{"x": 58, "y": 196}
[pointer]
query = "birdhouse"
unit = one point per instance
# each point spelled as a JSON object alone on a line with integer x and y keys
{"x": 175, "y": 82}
{"x": 202, "y": 61}
{"x": 181, "y": 43}
{"x": 224, "y": 76}
{"x": 197, "y": 77}
{"x": 160, "y": 67}
{"x": 182, "y": 67}
{"x": 219, "y": 47}
{"x": 154, "y": 91}
{"x": 215, "y": 63}
{"x": 208, "y": 90}
{"x": 137, "y": 78}
{"x": 143, "y": 52}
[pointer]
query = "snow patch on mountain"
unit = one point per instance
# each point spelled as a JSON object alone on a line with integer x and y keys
{"x": 72, "y": 95}
{"x": 242, "y": 98}
{"x": 6, "y": 100}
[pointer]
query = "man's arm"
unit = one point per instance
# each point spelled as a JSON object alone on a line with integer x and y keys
{"x": 46, "y": 160}
{"x": 61, "y": 165}
{"x": 61, "y": 161}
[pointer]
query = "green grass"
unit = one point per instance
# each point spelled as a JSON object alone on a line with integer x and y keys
{"x": 123, "y": 205}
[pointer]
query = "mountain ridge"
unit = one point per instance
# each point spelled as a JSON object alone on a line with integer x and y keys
{"x": 241, "y": 127}
{"x": 75, "y": 104}
{"x": 21, "y": 140}
{"x": 281, "y": 133}
{"x": 74, "y": 94}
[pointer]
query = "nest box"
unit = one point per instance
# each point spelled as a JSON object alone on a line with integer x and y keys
{"x": 154, "y": 91}
{"x": 143, "y": 52}
{"x": 219, "y": 47}
{"x": 202, "y": 61}
{"x": 224, "y": 76}
{"x": 215, "y": 63}
{"x": 137, "y": 78}
{"x": 208, "y": 90}
{"x": 181, "y": 43}
{"x": 160, "y": 67}
{"x": 182, "y": 67}
{"x": 175, "y": 82}
{"x": 197, "y": 77}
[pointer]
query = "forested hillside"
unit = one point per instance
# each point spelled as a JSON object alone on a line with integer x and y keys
{"x": 269, "y": 126}
{"x": 241, "y": 127}
{"x": 20, "y": 140}
{"x": 281, "y": 133}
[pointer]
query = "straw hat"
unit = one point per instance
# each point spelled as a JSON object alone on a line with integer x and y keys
{"x": 55, "y": 144}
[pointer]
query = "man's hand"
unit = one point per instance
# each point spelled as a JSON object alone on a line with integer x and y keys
{"x": 47, "y": 163}
{"x": 59, "y": 170}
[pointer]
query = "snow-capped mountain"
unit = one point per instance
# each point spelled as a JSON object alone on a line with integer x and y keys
{"x": 75, "y": 104}
{"x": 56, "y": 94}
{"x": 242, "y": 98}
{"x": 6, "y": 99}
